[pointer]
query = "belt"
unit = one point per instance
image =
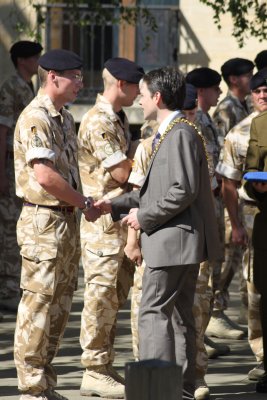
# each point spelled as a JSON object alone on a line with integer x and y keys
{"x": 63, "y": 209}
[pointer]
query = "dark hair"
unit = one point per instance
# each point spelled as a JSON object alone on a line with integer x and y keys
{"x": 170, "y": 83}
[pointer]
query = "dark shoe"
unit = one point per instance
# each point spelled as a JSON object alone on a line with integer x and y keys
{"x": 256, "y": 373}
{"x": 261, "y": 385}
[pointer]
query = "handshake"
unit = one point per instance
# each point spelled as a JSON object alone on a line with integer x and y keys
{"x": 100, "y": 207}
{"x": 94, "y": 209}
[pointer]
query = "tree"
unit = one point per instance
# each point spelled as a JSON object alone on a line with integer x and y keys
{"x": 249, "y": 17}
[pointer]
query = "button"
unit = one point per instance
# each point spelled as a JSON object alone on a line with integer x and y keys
{"x": 99, "y": 253}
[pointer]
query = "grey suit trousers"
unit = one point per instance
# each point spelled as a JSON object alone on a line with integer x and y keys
{"x": 166, "y": 321}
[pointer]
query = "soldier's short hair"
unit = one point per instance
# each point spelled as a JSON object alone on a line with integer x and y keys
{"x": 42, "y": 75}
{"x": 108, "y": 79}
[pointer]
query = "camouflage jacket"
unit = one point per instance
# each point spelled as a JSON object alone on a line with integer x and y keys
{"x": 103, "y": 142}
{"x": 209, "y": 131}
{"x": 15, "y": 95}
{"x": 43, "y": 132}
{"x": 141, "y": 162}
{"x": 228, "y": 113}
{"x": 234, "y": 151}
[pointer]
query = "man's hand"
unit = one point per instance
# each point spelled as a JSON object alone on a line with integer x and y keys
{"x": 131, "y": 219}
{"x": 92, "y": 214}
{"x": 239, "y": 236}
{"x": 104, "y": 206}
{"x": 260, "y": 187}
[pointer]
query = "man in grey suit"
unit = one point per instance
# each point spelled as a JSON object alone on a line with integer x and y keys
{"x": 175, "y": 212}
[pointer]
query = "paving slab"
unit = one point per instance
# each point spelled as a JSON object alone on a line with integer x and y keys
{"x": 227, "y": 376}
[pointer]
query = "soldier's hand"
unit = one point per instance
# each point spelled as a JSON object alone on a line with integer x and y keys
{"x": 104, "y": 206}
{"x": 133, "y": 252}
{"x": 92, "y": 214}
{"x": 239, "y": 236}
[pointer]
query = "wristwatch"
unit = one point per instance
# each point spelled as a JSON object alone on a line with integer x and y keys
{"x": 88, "y": 203}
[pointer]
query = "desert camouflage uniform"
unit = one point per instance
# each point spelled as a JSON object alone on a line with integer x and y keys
{"x": 209, "y": 271}
{"x": 229, "y": 112}
{"x": 48, "y": 239}
{"x": 232, "y": 167}
{"x": 149, "y": 128}
{"x": 103, "y": 141}
{"x": 15, "y": 95}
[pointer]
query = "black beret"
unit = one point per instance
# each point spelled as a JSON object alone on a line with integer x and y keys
{"x": 259, "y": 79}
{"x": 236, "y": 66}
{"x": 25, "y": 48}
{"x": 203, "y": 77}
{"x": 261, "y": 59}
{"x": 60, "y": 60}
{"x": 190, "y": 101}
{"x": 124, "y": 69}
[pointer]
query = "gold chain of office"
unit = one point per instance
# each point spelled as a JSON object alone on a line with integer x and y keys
{"x": 171, "y": 125}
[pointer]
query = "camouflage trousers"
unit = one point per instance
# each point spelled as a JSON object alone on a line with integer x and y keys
{"x": 254, "y": 320}
{"x": 135, "y": 305}
{"x": 202, "y": 311}
{"x": 50, "y": 248}
{"x": 231, "y": 265}
{"x": 108, "y": 279}
{"x": 216, "y": 266}
{"x": 10, "y": 260}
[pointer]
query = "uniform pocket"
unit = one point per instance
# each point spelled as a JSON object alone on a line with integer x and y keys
{"x": 38, "y": 268}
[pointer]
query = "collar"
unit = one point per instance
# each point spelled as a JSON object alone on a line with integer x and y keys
{"x": 167, "y": 120}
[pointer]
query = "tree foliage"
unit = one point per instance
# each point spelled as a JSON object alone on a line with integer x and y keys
{"x": 249, "y": 17}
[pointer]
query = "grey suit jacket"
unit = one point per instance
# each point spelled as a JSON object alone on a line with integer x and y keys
{"x": 176, "y": 210}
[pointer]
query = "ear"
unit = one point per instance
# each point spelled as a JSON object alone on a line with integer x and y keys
{"x": 120, "y": 83}
{"x": 52, "y": 76}
{"x": 232, "y": 79}
{"x": 157, "y": 97}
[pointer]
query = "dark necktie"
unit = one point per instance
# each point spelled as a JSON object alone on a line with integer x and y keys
{"x": 155, "y": 141}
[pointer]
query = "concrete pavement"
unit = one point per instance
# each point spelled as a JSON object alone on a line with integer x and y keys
{"x": 227, "y": 376}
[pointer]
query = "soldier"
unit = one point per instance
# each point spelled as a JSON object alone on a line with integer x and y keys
{"x": 15, "y": 94}
{"x": 242, "y": 209}
{"x": 46, "y": 170}
{"x": 104, "y": 146}
{"x": 237, "y": 73}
